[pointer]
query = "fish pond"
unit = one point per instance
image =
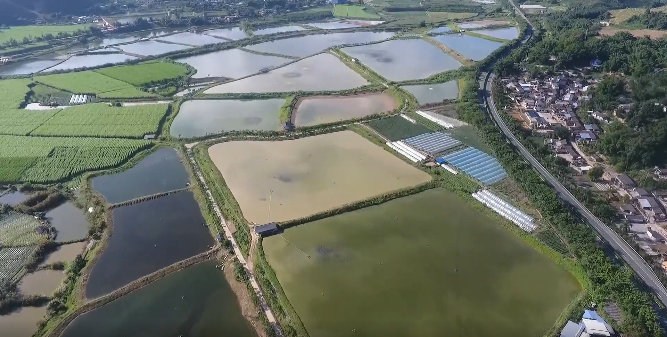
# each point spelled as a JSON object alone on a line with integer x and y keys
{"x": 440, "y": 30}
{"x": 234, "y": 33}
{"x": 275, "y": 30}
{"x": 400, "y": 60}
{"x": 69, "y": 221}
{"x": 328, "y": 109}
{"x": 31, "y": 66}
{"x": 191, "y": 39}
{"x": 425, "y": 265}
{"x": 313, "y": 44}
{"x": 434, "y": 93}
{"x": 198, "y": 118}
{"x": 65, "y": 253}
{"x": 21, "y": 322}
{"x": 231, "y": 63}
{"x": 159, "y": 172}
{"x": 305, "y": 174}
{"x": 151, "y": 48}
{"x": 318, "y": 73}
{"x": 474, "y": 48}
{"x": 147, "y": 237}
{"x": 92, "y": 60}
{"x": 509, "y": 33}
{"x": 194, "y": 302}
{"x": 13, "y": 198}
{"x": 42, "y": 282}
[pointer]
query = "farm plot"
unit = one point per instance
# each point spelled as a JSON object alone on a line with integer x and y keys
{"x": 102, "y": 120}
{"x": 397, "y": 128}
{"x": 145, "y": 73}
{"x": 20, "y": 32}
{"x": 51, "y": 159}
{"x": 17, "y": 229}
{"x": 12, "y": 260}
{"x": 20, "y": 122}
{"x": 13, "y": 93}
{"x": 90, "y": 82}
{"x": 353, "y": 11}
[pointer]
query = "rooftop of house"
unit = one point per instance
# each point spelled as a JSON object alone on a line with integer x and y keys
{"x": 624, "y": 179}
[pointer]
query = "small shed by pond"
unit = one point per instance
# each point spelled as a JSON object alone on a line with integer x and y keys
{"x": 267, "y": 229}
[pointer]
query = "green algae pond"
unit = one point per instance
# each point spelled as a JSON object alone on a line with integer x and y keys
{"x": 194, "y": 302}
{"x": 423, "y": 265}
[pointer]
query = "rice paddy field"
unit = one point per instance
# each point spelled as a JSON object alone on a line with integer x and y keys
{"x": 90, "y": 82}
{"x": 144, "y": 73}
{"x": 441, "y": 268}
{"x": 305, "y": 175}
{"x": 397, "y": 128}
{"x": 101, "y": 120}
{"x": 51, "y": 159}
{"x": 353, "y": 11}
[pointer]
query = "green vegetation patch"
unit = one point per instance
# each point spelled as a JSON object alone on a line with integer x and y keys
{"x": 353, "y": 11}
{"x": 103, "y": 120}
{"x": 54, "y": 159}
{"x": 20, "y": 32}
{"x": 439, "y": 261}
{"x": 13, "y": 93}
{"x": 145, "y": 73}
{"x": 21, "y": 122}
{"x": 397, "y": 128}
{"x": 90, "y": 82}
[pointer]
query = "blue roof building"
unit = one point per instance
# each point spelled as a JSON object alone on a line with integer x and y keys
{"x": 591, "y": 325}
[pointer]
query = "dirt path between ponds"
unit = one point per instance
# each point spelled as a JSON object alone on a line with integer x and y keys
{"x": 248, "y": 309}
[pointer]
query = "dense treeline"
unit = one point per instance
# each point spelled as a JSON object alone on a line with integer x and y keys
{"x": 650, "y": 20}
{"x": 41, "y": 201}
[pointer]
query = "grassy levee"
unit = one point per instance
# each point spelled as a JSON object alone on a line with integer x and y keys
{"x": 287, "y": 108}
{"x": 275, "y": 296}
{"x": 486, "y": 37}
{"x": 365, "y": 72}
{"x": 228, "y": 205}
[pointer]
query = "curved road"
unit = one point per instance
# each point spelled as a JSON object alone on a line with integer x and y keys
{"x": 620, "y": 246}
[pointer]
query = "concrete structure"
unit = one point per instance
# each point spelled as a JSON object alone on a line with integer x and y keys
{"x": 592, "y": 325}
{"x": 267, "y": 229}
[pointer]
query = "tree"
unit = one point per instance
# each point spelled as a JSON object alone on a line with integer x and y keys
{"x": 596, "y": 173}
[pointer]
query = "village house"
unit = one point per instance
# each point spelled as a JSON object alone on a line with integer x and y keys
{"x": 651, "y": 207}
{"x": 623, "y": 181}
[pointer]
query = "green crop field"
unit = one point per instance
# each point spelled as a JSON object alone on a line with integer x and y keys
{"x": 19, "y": 32}
{"x": 21, "y": 122}
{"x": 90, "y": 82}
{"x": 51, "y": 159}
{"x": 13, "y": 93}
{"x": 397, "y": 128}
{"x": 17, "y": 229}
{"x": 102, "y": 120}
{"x": 353, "y": 11}
{"x": 144, "y": 73}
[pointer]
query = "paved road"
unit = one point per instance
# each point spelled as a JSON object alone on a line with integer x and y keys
{"x": 620, "y": 246}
